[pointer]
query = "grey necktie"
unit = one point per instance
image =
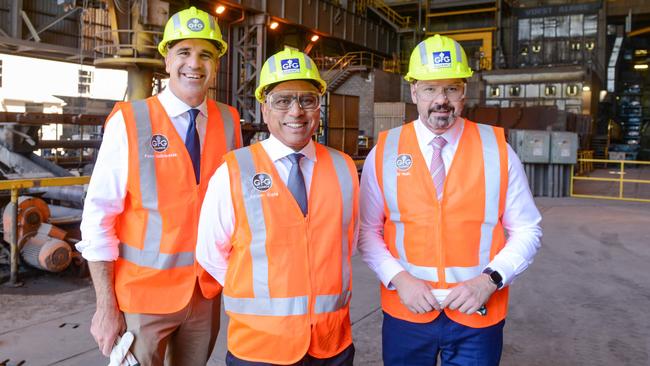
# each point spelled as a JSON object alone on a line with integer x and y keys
{"x": 296, "y": 182}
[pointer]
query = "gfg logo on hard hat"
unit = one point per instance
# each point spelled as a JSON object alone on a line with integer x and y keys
{"x": 403, "y": 162}
{"x": 159, "y": 143}
{"x": 290, "y": 65}
{"x": 442, "y": 59}
{"x": 262, "y": 182}
{"x": 195, "y": 25}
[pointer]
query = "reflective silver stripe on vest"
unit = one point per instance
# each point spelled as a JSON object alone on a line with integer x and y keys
{"x": 262, "y": 303}
{"x": 390, "y": 189}
{"x": 271, "y": 63}
{"x": 228, "y": 126}
{"x": 492, "y": 193}
{"x": 256, "y": 223}
{"x": 284, "y": 306}
{"x": 150, "y": 255}
{"x": 177, "y": 21}
{"x": 423, "y": 53}
{"x": 330, "y": 303}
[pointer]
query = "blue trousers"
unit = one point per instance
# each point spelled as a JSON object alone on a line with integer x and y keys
{"x": 345, "y": 358}
{"x": 419, "y": 344}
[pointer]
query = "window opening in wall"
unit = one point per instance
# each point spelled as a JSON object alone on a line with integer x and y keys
{"x": 515, "y": 91}
{"x": 572, "y": 90}
{"x": 495, "y": 91}
{"x": 550, "y": 90}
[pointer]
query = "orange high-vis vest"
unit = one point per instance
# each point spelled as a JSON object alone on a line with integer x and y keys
{"x": 449, "y": 241}
{"x": 288, "y": 285}
{"x": 156, "y": 272}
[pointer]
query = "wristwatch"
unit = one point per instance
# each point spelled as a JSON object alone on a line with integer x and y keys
{"x": 495, "y": 277}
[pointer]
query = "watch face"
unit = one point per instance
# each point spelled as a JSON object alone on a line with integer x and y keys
{"x": 496, "y": 277}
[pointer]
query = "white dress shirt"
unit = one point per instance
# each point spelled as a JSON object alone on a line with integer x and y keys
{"x": 520, "y": 219}
{"x": 107, "y": 189}
{"x": 217, "y": 221}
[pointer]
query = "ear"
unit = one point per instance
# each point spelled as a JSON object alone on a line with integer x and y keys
{"x": 265, "y": 112}
{"x": 168, "y": 62}
{"x": 414, "y": 96}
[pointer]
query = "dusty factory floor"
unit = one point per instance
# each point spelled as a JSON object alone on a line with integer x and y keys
{"x": 585, "y": 300}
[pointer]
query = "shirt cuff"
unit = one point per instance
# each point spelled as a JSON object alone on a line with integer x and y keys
{"x": 93, "y": 252}
{"x": 505, "y": 268}
{"x": 387, "y": 270}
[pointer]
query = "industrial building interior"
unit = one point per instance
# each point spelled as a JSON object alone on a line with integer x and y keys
{"x": 569, "y": 81}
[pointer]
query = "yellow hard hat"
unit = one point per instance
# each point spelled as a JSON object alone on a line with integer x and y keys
{"x": 438, "y": 58}
{"x": 288, "y": 64}
{"x": 192, "y": 23}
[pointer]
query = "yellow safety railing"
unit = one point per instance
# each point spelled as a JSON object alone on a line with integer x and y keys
{"x": 14, "y": 186}
{"x": 585, "y": 166}
{"x": 620, "y": 180}
{"x": 358, "y": 58}
{"x": 392, "y": 16}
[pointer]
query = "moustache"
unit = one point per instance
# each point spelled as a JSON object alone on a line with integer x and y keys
{"x": 442, "y": 108}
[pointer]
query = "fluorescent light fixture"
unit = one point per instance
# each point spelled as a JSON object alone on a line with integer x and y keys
{"x": 641, "y": 67}
{"x": 220, "y": 9}
{"x": 315, "y": 37}
{"x": 274, "y": 25}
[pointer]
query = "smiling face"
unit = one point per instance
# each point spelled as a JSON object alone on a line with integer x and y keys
{"x": 192, "y": 65}
{"x": 294, "y": 126}
{"x": 439, "y": 102}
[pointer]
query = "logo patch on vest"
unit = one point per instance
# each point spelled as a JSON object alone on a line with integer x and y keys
{"x": 159, "y": 143}
{"x": 403, "y": 162}
{"x": 441, "y": 59}
{"x": 290, "y": 65}
{"x": 195, "y": 25}
{"x": 262, "y": 182}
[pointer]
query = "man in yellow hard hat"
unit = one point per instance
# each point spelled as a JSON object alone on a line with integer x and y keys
{"x": 278, "y": 227}
{"x": 141, "y": 212}
{"x": 447, "y": 221}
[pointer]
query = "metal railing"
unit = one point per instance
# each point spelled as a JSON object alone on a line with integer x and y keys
{"x": 584, "y": 165}
{"x": 621, "y": 180}
{"x": 14, "y": 186}
{"x": 390, "y": 14}
{"x": 359, "y": 58}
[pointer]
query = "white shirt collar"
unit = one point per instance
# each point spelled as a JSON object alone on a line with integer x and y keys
{"x": 175, "y": 107}
{"x": 452, "y": 135}
{"x": 277, "y": 150}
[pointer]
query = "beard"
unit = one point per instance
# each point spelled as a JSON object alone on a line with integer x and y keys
{"x": 442, "y": 123}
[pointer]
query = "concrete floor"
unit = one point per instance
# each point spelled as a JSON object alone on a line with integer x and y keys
{"x": 585, "y": 300}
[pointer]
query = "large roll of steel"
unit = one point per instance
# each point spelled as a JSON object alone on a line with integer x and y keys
{"x": 46, "y": 253}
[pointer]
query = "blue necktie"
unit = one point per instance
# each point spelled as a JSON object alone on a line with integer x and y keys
{"x": 193, "y": 144}
{"x": 296, "y": 182}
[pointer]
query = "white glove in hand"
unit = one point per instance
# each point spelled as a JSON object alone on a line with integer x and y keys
{"x": 120, "y": 355}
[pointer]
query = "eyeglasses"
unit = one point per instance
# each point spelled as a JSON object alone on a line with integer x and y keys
{"x": 427, "y": 92}
{"x": 283, "y": 100}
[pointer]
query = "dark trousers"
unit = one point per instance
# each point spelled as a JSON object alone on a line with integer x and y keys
{"x": 345, "y": 358}
{"x": 419, "y": 344}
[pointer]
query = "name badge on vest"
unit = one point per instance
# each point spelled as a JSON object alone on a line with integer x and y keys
{"x": 159, "y": 144}
{"x": 403, "y": 163}
{"x": 261, "y": 183}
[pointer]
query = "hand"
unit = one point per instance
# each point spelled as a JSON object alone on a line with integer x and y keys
{"x": 415, "y": 293}
{"x": 470, "y": 295}
{"x": 107, "y": 324}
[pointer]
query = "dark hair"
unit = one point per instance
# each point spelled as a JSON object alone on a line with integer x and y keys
{"x": 216, "y": 44}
